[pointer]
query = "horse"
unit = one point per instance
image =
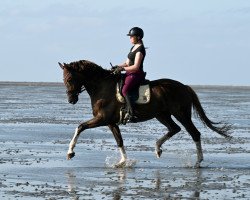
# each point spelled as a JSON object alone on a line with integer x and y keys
{"x": 168, "y": 98}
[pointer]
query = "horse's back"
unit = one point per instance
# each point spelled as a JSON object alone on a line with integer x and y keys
{"x": 170, "y": 90}
{"x": 167, "y": 83}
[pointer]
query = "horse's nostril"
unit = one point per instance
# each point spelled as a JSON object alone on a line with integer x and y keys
{"x": 72, "y": 101}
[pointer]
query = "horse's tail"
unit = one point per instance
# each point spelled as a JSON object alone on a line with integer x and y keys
{"x": 218, "y": 127}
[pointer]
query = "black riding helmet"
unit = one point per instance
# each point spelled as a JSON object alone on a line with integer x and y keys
{"x": 136, "y": 31}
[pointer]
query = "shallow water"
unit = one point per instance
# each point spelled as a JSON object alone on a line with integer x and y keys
{"x": 37, "y": 123}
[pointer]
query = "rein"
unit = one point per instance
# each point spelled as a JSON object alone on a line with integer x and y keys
{"x": 111, "y": 71}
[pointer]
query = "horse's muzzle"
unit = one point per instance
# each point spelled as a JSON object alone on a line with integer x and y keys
{"x": 73, "y": 100}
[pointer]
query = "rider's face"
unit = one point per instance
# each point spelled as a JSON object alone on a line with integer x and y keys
{"x": 133, "y": 39}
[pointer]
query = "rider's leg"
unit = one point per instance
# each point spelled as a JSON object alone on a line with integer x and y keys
{"x": 131, "y": 81}
{"x": 130, "y": 107}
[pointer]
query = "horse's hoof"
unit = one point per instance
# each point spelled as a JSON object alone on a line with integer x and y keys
{"x": 70, "y": 155}
{"x": 120, "y": 164}
{"x": 158, "y": 153}
{"x": 197, "y": 165}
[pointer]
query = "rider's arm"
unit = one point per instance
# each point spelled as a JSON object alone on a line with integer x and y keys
{"x": 137, "y": 63}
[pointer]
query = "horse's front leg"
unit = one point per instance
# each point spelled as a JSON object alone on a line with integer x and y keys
{"x": 95, "y": 122}
{"x": 72, "y": 145}
{"x": 118, "y": 137}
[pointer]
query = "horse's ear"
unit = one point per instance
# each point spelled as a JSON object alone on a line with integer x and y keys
{"x": 61, "y": 65}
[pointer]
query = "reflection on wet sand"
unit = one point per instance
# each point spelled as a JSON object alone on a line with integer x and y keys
{"x": 194, "y": 185}
{"x": 121, "y": 187}
{"x": 197, "y": 184}
{"x": 72, "y": 185}
{"x": 122, "y": 181}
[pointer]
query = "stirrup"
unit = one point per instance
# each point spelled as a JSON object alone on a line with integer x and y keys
{"x": 129, "y": 118}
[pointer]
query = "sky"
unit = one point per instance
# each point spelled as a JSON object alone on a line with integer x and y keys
{"x": 197, "y": 42}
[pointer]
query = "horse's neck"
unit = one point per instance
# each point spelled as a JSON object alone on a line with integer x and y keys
{"x": 100, "y": 88}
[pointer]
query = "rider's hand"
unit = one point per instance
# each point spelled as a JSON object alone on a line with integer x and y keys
{"x": 118, "y": 69}
{"x": 114, "y": 67}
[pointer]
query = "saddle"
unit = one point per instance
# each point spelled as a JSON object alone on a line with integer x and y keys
{"x": 139, "y": 95}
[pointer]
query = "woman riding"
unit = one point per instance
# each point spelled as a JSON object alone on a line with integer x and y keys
{"x": 134, "y": 69}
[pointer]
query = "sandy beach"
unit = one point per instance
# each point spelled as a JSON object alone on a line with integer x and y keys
{"x": 37, "y": 123}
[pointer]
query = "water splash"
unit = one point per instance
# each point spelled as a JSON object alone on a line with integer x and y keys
{"x": 186, "y": 159}
{"x": 112, "y": 161}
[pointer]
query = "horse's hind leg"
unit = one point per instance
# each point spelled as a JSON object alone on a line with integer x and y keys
{"x": 195, "y": 134}
{"x": 173, "y": 128}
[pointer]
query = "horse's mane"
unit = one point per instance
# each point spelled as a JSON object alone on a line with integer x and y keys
{"x": 88, "y": 66}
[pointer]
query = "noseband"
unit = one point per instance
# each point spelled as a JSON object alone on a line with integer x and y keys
{"x": 75, "y": 92}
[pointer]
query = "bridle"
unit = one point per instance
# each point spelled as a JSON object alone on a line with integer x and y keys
{"x": 75, "y": 92}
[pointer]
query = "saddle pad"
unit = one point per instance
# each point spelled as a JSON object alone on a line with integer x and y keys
{"x": 144, "y": 95}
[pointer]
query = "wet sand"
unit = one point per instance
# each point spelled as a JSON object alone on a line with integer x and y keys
{"x": 37, "y": 124}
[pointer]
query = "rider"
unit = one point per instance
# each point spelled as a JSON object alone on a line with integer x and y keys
{"x": 134, "y": 68}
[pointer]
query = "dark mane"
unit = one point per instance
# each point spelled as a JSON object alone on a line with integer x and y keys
{"x": 89, "y": 67}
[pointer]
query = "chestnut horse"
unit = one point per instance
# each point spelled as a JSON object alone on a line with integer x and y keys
{"x": 168, "y": 98}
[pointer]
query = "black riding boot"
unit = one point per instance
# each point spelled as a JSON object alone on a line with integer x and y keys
{"x": 130, "y": 117}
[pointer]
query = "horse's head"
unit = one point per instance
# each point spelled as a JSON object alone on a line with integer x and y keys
{"x": 72, "y": 83}
{"x": 83, "y": 74}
